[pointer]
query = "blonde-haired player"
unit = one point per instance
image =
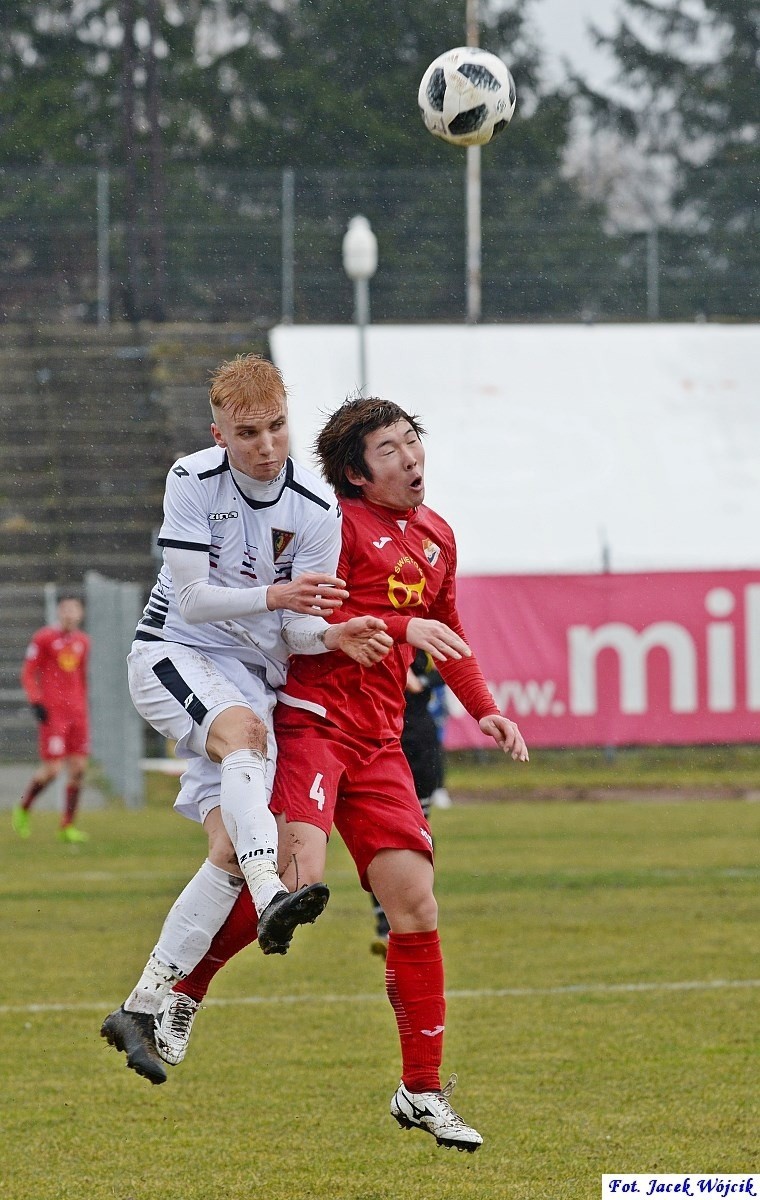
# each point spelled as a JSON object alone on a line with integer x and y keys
{"x": 250, "y": 545}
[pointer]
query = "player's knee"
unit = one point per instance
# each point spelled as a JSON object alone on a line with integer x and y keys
{"x": 253, "y": 734}
{"x": 411, "y": 910}
{"x": 234, "y": 729}
{"x": 422, "y": 911}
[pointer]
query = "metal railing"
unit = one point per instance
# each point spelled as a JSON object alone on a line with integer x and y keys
{"x": 265, "y": 246}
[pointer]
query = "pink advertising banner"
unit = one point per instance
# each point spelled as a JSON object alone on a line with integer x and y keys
{"x": 613, "y": 660}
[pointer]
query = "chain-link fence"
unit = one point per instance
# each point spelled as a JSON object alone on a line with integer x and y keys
{"x": 265, "y": 246}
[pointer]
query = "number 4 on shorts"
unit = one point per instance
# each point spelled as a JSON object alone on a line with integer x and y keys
{"x": 317, "y": 791}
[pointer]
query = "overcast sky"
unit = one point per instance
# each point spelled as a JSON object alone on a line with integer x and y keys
{"x": 562, "y": 27}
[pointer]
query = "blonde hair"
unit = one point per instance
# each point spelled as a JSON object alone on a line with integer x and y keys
{"x": 247, "y": 383}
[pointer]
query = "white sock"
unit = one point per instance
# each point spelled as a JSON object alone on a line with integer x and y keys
{"x": 156, "y": 981}
{"x": 196, "y": 916}
{"x": 193, "y": 920}
{"x": 250, "y": 824}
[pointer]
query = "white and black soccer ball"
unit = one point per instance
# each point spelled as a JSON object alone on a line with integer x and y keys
{"x": 467, "y": 96}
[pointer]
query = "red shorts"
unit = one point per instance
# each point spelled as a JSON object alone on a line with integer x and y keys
{"x": 63, "y": 734}
{"x": 324, "y": 777}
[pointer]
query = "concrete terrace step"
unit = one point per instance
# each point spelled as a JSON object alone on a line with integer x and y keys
{"x": 41, "y": 569}
{"x": 45, "y": 372}
{"x": 93, "y": 421}
{"x": 128, "y": 539}
{"x": 103, "y": 509}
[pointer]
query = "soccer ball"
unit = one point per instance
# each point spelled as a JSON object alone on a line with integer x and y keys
{"x": 467, "y": 96}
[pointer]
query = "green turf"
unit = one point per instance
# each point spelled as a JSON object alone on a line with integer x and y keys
{"x": 724, "y": 770}
{"x": 574, "y": 774}
{"x": 564, "y": 929}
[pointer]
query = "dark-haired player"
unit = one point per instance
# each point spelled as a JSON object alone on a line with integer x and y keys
{"x": 338, "y": 726}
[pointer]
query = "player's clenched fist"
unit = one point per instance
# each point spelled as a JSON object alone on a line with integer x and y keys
{"x": 362, "y": 638}
{"x": 315, "y": 594}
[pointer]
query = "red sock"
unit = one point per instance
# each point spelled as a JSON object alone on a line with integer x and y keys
{"x": 71, "y": 804}
{"x": 33, "y": 790}
{"x": 414, "y": 983}
{"x": 237, "y": 932}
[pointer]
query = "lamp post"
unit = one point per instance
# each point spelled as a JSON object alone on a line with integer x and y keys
{"x": 360, "y": 264}
{"x": 472, "y": 193}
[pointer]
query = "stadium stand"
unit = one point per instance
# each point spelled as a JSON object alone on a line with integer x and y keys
{"x": 91, "y": 422}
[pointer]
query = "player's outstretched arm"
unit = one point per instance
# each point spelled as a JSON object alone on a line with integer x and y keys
{"x": 312, "y": 593}
{"x": 435, "y": 637}
{"x": 506, "y": 735}
{"x": 362, "y": 638}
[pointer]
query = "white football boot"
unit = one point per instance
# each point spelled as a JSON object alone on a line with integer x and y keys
{"x": 174, "y": 1024}
{"x": 432, "y": 1112}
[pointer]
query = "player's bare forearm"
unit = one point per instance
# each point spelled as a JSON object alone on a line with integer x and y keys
{"x": 437, "y": 639}
{"x": 362, "y": 638}
{"x": 311, "y": 593}
{"x": 506, "y": 735}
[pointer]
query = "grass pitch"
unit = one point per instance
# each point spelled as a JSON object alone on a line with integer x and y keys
{"x": 603, "y": 974}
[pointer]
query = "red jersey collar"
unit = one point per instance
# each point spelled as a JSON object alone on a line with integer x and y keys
{"x": 391, "y": 514}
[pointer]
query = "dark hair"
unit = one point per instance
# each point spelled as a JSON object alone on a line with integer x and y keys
{"x": 341, "y": 445}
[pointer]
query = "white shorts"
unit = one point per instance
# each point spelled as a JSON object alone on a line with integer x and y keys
{"x": 201, "y": 781}
{"x": 180, "y": 691}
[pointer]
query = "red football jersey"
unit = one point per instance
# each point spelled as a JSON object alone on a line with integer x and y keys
{"x": 397, "y": 565}
{"x": 55, "y": 669}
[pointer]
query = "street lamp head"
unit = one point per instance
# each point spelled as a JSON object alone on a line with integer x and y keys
{"x": 359, "y": 250}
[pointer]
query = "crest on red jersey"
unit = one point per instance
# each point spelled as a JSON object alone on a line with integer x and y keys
{"x": 69, "y": 659}
{"x": 431, "y": 551}
{"x": 281, "y": 539}
{"x": 406, "y": 584}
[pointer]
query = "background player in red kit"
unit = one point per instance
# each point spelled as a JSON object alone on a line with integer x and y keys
{"x": 54, "y": 677}
{"x": 338, "y": 727}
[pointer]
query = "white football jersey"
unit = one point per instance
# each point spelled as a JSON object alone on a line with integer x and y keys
{"x": 248, "y": 543}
